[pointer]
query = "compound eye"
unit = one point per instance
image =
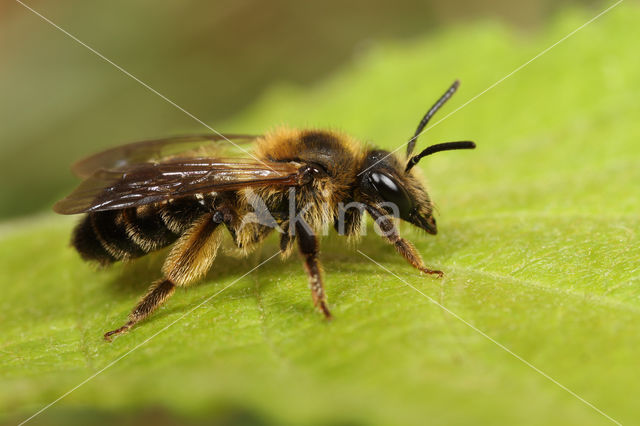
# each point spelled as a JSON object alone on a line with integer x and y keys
{"x": 390, "y": 190}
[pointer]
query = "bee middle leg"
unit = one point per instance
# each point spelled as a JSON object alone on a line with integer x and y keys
{"x": 189, "y": 259}
{"x": 308, "y": 246}
{"x": 403, "y": 247}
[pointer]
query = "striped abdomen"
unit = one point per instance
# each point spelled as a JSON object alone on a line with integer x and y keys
{"x": 113, "y": 235}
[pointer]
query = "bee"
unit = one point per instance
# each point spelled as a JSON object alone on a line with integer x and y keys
{"x": 183, "y": 192}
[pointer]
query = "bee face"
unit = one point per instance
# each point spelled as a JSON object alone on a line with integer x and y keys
{"x": 386, "y": 182}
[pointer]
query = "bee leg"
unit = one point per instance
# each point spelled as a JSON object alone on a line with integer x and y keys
{"x": 287, "y": 241}
{"x": 189, "y": 259}
{"x": 403, "y": 247}
{"x": 308, "y": 246}
{"x": 156, "y": 295}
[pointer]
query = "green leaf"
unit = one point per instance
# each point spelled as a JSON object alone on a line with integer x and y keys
{"x": 539, "y": 240}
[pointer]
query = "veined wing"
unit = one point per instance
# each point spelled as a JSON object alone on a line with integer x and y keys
{"x": 157, "y": 149}
{"x": 141, "y": 184}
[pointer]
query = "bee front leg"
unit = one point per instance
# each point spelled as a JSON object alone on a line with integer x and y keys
{"x": 403, "y": 247}
{"x": 308, "y": 246}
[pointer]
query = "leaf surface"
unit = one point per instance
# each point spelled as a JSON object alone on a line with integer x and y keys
{"x": 539, "y": 240}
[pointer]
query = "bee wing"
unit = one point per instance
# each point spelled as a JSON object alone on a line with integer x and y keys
{"x": 157, "y": 149}
{"x": 147, "y": 183}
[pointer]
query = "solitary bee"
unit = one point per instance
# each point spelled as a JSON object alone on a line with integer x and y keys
{"x": 144, "y": 196}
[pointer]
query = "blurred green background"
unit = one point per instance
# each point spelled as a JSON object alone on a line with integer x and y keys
{"x": 539, "y": 227}
{"x": 60, "y": 101}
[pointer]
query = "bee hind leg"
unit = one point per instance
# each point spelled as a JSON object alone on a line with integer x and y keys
{"x": 189, "y": 259}
{"x": 157, "y": 294}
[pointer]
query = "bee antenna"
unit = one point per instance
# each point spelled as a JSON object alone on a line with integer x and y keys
{"x": 447, "y": 146}
{"x": 425, "y": 120}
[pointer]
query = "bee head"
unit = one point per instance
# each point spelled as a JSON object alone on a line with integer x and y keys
{"x": 400, "y": 194}
{"x": 388, "y": 182}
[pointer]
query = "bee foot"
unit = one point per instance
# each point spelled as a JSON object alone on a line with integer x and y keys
{"x": 322, "y": 306}
{"x": 440, "y": 274}
{"x": 108, "y": 336}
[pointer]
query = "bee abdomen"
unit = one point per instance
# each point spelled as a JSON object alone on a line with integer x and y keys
{"x": 113, "y": 235}
{"x": 146, "y": 228}
{"x": 87, "y": 243}
{"x": 102, "y": 236}
{"x": 178, "y": 215}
